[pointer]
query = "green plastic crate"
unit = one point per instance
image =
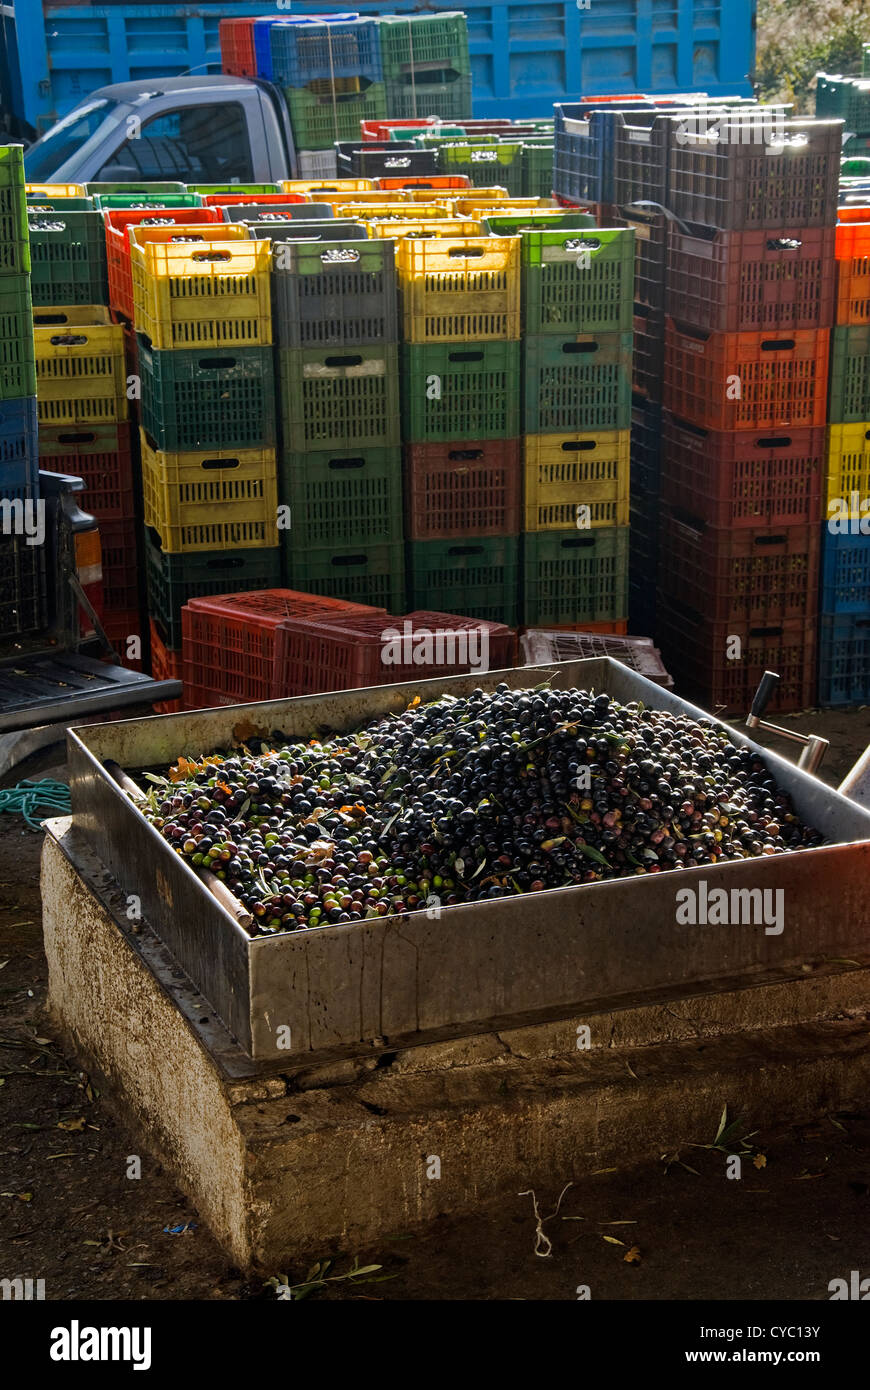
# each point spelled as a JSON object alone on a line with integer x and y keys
{"x": 319, "y": 120}
{"x": 373, "y": 574}
{"x": 423, "y": 42}
{"x": 342, "y": 499}
{"x": 223, "y": 399}
{"x": 449, "y": 97}
{"x": 489, "y": 164}
{"x": 205, "y": 189}
{"x": 68, "y": 257}
{"x": 575, "y": 576}
{"x": 846, "y": 99}
{"x": 460, "y": 391}
{"x": 477, "y": 577}
{"x": 17, "y": 358}
{"x": 538, "y": 170}
{"x": 578, "y": 283}
{"x": 345, "y": 398}
{"x": 849, "y": 387}
{"x": 537, "y": 220}
{"x": 14, "y": 245}
{"x": 151, "y": 200}
{"x": 173, "y": 580}
{"x": 577, "y": 383}
{"x": 37, "y": 204}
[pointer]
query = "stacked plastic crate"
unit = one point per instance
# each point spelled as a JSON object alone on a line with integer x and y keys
{"x": 847, "y": 99}
{"x": 336, "y": 328}
{"x": 230, "y": 642}
{"x": 330, "y": 72}
{"x": 203, "y": 323}
{"x": 461, "y": 324}
{"x": 22, "y": 565}
{"x": 578, "y": 295}
{"x": 426, "y": 65}
{"x": 844, "y": 637}
{"x": 750, "y": 305}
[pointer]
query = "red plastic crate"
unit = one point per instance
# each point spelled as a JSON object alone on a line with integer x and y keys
{"x": 614, "y": 629}
{"x": 119, "y": 627}
{"x": 165, "y": 666}
{"x": 218, "y": 200}
{"x": 741, "y": 478}
{"x": 736, "y": 282}
{"x": 348, "y": 654}
{"x": 695, "y": 651}
{"x": 228, "y": 642}
{"x": 119, "y": 541}
{"x": 426, "y": 181}
{"x": 853, "y": 273}
{"x": 117, "y": 221}
{"x": 102, "y": 456}
{"x": 747, "y": 381}
{"x": 468, "y": 488}
{"x": 763, "y": 574}
{"x": 236, "y": 37}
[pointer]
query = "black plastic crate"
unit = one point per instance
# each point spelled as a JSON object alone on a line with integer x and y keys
{"x": 393, "y": 159}
{"x": 650, "y": 252}
{"x": 22, "y": 586}
{"x": 340, "y": 295}
{"x": 740, "y": 185}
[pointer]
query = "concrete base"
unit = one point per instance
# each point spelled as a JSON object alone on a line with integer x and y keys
{"x": 287, "y": 1163}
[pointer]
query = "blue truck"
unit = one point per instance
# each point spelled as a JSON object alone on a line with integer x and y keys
{"x": 526, "y": 54}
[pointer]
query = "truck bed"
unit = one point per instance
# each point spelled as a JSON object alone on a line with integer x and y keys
{"x": 61, "y": 687}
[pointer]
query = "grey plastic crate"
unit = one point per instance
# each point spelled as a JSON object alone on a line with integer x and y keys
{"x": 341, "y": 295}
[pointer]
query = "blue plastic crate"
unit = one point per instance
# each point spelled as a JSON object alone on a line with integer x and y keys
{"x": 320, "y": 51}
{"x": 19, "y": 457}
{"x": 844, "y": 659}
{"x": 845, "y": 574}
{"x": 263, "y": 50}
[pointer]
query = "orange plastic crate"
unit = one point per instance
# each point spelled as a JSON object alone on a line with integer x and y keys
{"x": 615, "y": 629}
{"x": 118, "y": 220}
{"x": 747, "y": 381}
{"x": 853, "y": 272}
{"x": 166, "y": 665}
{"x": 228, "y": 642}
{"x": 236, "y": 37}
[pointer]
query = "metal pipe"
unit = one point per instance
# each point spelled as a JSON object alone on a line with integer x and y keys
{"x": 856, "y": 784}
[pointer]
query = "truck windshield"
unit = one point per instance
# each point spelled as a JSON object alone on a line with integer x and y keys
{"x": 81, "y": 131}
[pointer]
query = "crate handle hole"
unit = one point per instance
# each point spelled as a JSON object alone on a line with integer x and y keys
{"x": 69, "y": 339}
{"x": 81, "y": 437}
{"x": 464, "y": 252}
{"x": 221, "y": 364}
{"x": 778, "y": 345}
{"x": 347, "y": 463}
{"x": 349, "y": 560}
{"x": 465, "y": 356}
{"x": 580, "y": 543}
{"x": 212, "y": 256}
{"x": 581, "y": 244}
{"x": 351, "y": 360}
{"x": 220, "y": 463}
{"x": 784, "y": 243}
{"x": 465, "y": 454}
{"x": 776, "y": 441}
{"x": 765, "y": 632}
{"x": 580, "y": 347}
{"x": 575, "y": 446}
{"x": 466, "y": 550}
{"x": 770, "y": 540}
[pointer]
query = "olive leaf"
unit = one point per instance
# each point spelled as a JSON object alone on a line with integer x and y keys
{"x": 591, "y": 852}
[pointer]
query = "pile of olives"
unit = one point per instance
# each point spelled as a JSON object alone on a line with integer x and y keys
{"x": 484, "y": 796}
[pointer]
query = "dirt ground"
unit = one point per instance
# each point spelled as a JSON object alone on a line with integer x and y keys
{"x": 69, "y": 1214}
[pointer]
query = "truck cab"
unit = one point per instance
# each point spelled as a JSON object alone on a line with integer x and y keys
{"x": 190, "y": 129}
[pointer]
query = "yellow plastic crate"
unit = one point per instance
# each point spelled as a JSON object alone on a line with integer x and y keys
{"x": 566, "y": 473}
{"x": 472, "y": 205}
{"x": 202, "y": 295}
{"x": 460, "y": 290}
{"x": 848, "y": 465}
{"x": 386, "y": 207}
{"x": 319, "y": 186}
{"x": 80, "y": 369}
{"x": 396, "y": 227}
{"x": 54, "y": 190}
{"x": 214, "y": 500}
